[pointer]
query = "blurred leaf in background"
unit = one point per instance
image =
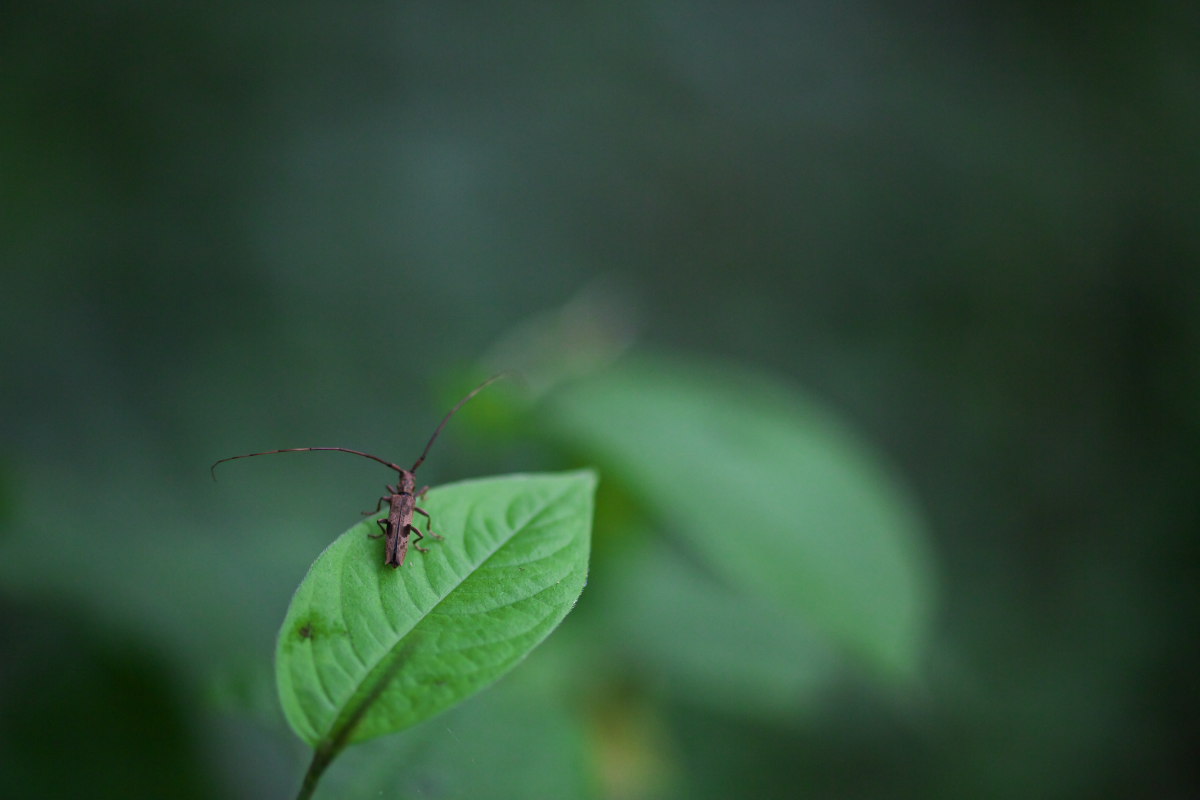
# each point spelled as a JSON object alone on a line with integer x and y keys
{"x": 85, "y": 706}
{"x": 772, "y": 491}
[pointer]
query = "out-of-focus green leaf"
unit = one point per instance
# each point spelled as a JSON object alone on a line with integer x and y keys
{"x": 774, "y": 491}
{"x": 366, "y": 650}
{"x": 711, "y": 644}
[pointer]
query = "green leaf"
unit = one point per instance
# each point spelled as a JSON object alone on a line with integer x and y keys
{"x": 775, "y": 492}
{"x": 708, "y": 643}
{"x": 367, "y": 650}
{"x": 467, "y": 752}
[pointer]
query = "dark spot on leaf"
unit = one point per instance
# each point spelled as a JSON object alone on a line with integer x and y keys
{"x": 306, "y": 631}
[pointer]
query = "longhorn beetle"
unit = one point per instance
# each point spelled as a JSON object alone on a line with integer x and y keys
{"x": 401, "y": 498}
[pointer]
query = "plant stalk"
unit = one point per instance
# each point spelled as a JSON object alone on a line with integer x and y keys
{"x": 321, "y": 759}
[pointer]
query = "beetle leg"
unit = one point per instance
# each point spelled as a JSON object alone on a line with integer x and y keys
{"x": 382, "y": 523}
{"x": 378, "y": 505}
{"x": 420, "y": 536}
{"x": 425, "y": 514}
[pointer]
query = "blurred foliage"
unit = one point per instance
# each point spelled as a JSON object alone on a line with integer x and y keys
{"x": 772, "y": 492}
{"x": 971, "y": 230}
{"x": 83, "y": 708}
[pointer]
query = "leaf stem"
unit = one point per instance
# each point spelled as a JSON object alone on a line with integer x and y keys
{"x": 321, "y": 759}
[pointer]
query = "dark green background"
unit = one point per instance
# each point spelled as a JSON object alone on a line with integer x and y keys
{"x": 235, "y": 226}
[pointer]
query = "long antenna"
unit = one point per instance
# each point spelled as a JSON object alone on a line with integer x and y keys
{"x": 213, "y": 469}
{"x": 453, "y": 411}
